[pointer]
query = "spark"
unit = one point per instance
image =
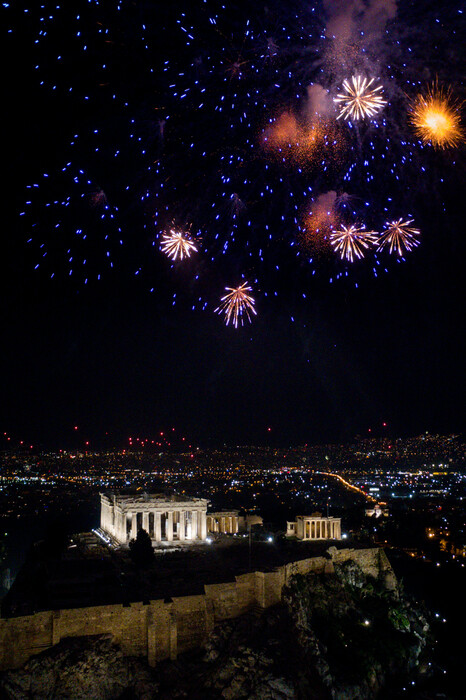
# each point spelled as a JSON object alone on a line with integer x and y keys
{"x": 436, "y": 118}
{"x": 399, "y": 237}
{"x": 359, "y": 101}
{"x": 177, "y": 245}
{"x": 352, "y": 241}
{"x": 237, "y": 304}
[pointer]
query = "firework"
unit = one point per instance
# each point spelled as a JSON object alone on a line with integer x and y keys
{"x": 359, "y": 100}
{"x": 351, "y": 242}
{"x": 398, "y": 237}
{"x": 436, "y": 119}
{"x": 240, "y": 134}
{"x": 237, "y": 304}
{"x": 177, "y": 245}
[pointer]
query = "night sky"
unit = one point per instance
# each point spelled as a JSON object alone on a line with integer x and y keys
{"x": 336, "y": 348}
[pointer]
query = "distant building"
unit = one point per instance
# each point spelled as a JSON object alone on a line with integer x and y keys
{"x": 166, "y": 519}
{"x": 377, "y": 511}
{"x": 314, "y": 527}
{"x": 231, "y": 522}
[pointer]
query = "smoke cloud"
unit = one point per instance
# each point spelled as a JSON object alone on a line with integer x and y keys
{"x": 348, "y": 18}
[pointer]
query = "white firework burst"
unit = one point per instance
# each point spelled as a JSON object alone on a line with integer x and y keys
{"x": 352, "y": 242}
{"x": 359, "y": 99}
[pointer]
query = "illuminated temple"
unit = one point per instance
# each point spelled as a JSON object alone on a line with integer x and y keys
{"x": 166, "y": 519}
{"x": 314, "y": 527}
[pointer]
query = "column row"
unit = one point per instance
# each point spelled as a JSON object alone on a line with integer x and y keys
{"x": 322, "y": 530}
{"x": 170, "y": 525}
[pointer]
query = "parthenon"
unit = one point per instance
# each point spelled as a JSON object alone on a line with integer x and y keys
{"x": 166, "y": 519}
{"x": 314, "y": 527}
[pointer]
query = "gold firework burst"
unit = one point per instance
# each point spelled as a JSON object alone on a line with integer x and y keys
{"x": 398, "y": 237}
{"x": 237, "y": 305}
{"x": 351, "y": 242}
{"x": 177, "y": 245}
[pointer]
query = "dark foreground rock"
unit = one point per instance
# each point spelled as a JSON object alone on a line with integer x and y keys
{"x": 82, "y": 667}
{"x": 338, "y": 636}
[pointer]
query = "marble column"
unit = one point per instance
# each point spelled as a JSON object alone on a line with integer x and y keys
{"x": 194, "y": 526}
{"x": 134, "y": 530}
{"x": 122, "y": 537}
{"x": 203, "y": 533}
{"x": 170, "y": 526}
{"x": 158, "y": 526}
{"x": 145, "y": 522}
{"x": 182, "y": 526}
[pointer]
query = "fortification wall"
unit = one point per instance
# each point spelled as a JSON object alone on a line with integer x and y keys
{"x": 160, "y": 630}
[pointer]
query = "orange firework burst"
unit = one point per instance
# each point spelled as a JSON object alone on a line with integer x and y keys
{"x": 435, "y": 117}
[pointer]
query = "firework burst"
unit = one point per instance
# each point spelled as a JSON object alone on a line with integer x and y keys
{"x": 237, "y": 305}
{"x": 436, "y": 119}
{"x": 398, "y": 237}
{"x": 177, "y": 245}
{"x": 359, "y": 99}
{"x": 351, "y": 242}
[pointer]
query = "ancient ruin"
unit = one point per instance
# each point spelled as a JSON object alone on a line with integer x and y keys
{"x": 174, "y": 519}
{"x": 314, "y": 527}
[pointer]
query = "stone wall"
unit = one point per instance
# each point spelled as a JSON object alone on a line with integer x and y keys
{"x": 160, "y": 630}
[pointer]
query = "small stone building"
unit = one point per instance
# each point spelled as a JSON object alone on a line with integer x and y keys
{"x": 229, "y": 522}
{"x": 314, "y": 527}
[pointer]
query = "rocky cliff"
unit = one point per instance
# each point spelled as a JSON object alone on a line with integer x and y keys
{"x": 337, "y": 636}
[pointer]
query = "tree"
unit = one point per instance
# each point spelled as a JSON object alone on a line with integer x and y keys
{"x": 141, "y": 550}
